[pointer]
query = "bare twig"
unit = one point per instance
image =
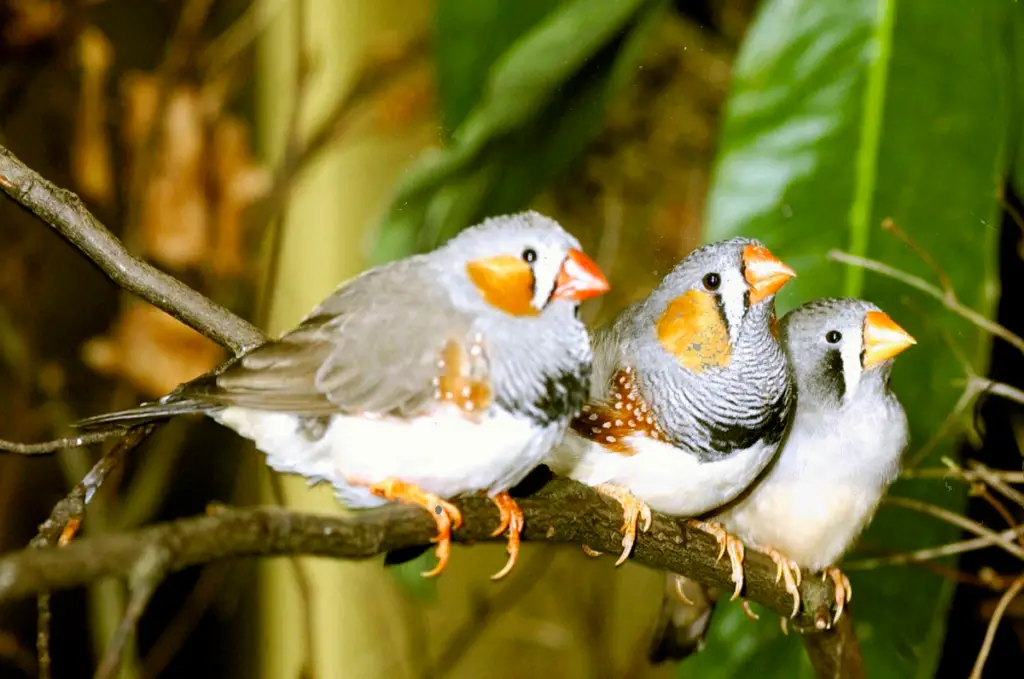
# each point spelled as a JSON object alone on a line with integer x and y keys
{"x": 950, "y": 302}
{"x": 993, "y": 625}
{"x": 959, "y": 521}
{"x": 65, "y": 212}
{"x": 226, "y": 47}
{"x": 930, "y": 553}
{"x": 990, "y": 477}
{"x": 147, "y": 574}
{"x": 965, "y": 475}
{"x": 63, "y": 523}
{"x": 379, "y": 74}
{"x": 48, "y": 447}
{"x": 184, "y": 621}
{"x": 485, "y": 609}
{"x": 947, "y": 287}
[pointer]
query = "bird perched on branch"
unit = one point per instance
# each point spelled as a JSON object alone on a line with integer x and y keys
{"x": 691, "y": 393}
{"x": 443, "y": 373}
{"x": 840, "y": 456}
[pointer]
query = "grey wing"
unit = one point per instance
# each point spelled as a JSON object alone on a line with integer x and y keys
{"x": 373, "y": 346}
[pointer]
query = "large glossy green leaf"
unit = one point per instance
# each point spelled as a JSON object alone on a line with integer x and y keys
{"x": 843, "y": 113}
{"x": 522, "y": 118}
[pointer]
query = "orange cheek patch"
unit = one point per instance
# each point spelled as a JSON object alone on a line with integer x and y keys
{"x": 624, "y": 415}
{"x": 691, "y": 329}
{"x": 462, "y": 378}
{"x": 505, "y": 282}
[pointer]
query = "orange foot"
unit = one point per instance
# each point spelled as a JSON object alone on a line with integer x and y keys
{"x": 844, "y": 591}
{"x": 512, "y": 519}
{"x": 788, "y": 571}
{"x": 632, "y": 511}
{"x": 445, "y": 514}
{"x": 69, "y": 532}
{"x": 727, "y": 543}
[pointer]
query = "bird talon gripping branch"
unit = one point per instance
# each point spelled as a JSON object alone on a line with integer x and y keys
{"x": 633, "y": 511}
{"x": 788, "y": 571}
{"x": 512, "y": 519}
{"x": 726, "y": 543}
{"x": 446, "y": 515}
{"x": 844, "y": 590}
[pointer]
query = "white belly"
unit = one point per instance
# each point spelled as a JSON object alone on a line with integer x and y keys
{"x": 445, "y": 453}
{"x": 668, "y": 479}
{"x": 811, "y": 522}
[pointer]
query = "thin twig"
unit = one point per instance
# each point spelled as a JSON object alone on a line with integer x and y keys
{"x": 185, "y": 620}
{"x": 957, "y": 520}
{"x": 927, "y": 288}
{"x": 993, "y": 625}
{"x": 49, "y": 447}
{"x": 993, "y": 479}
{"x": 377, "y": 76}
{"x": 930, "y": 553}
{"x": 226, "y": 47}
{"x": 486, "y": 609}
{"x": 888, "y": 224}
{"x": 965, "y": 475}
{"x": 63, "y": 522}
{"x": 65, "y": 213}
{"x": 145, "y": 578}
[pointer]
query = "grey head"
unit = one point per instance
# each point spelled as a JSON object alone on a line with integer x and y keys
{"x": 704, "y": 350}
{"x": 840, "y": 348}
{"x": 523, "y": 277}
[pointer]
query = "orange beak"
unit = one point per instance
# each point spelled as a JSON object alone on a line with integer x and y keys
{"x": 579, "y": 278}
{"x": 765, "y": 273}
{"x": 883, "y": 339}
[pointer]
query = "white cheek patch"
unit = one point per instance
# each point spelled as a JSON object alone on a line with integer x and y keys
{"x": 733, "y": 293}
{"x": 545, "y": 275}
{"x": 852, "y": 370}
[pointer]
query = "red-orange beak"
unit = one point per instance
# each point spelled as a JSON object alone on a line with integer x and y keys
{"x": 579, "y": 278}
{"x": 765, "y": 272}
{"x": 883, "y": 339}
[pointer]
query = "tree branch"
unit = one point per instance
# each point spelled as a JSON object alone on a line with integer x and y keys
{"x": 561, "y": 511}
{"x": 66, "y": 213}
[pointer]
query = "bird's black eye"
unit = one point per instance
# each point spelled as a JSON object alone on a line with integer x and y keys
{"x": 529, "y": 255}
{"x": 712, "y": 281}
{"x": 833, "y": 336}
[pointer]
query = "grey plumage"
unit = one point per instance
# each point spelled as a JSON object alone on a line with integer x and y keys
{"x": 837, "y": 461}
{"x": 373, "y": 345}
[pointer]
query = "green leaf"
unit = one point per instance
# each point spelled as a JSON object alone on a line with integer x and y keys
{"x": 844, "y": 113}
{"x": 537, "y": 107}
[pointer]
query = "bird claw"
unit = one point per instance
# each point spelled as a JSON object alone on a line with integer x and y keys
{"x": 726, "y": 543}
{"x": 843, "y": 588}
{"x": 446, "y": 516}
{"x": 788, "y": 571}
{"x": 749, "y": 611}
{"x": 592, "y": 553}
{"x": 679, "y": 582}
{"x": 633, "y": 510}
{"x": 511, "y": 519}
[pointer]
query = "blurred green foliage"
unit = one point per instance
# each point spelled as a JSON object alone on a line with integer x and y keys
{"x": 523, "y": 91}
{"x": 843, "y": 114}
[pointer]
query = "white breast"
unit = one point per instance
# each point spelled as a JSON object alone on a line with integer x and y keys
{"x": 668, "y": 479}
{"x": 825, "y": 486}
{"x": 445, "y": 453}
